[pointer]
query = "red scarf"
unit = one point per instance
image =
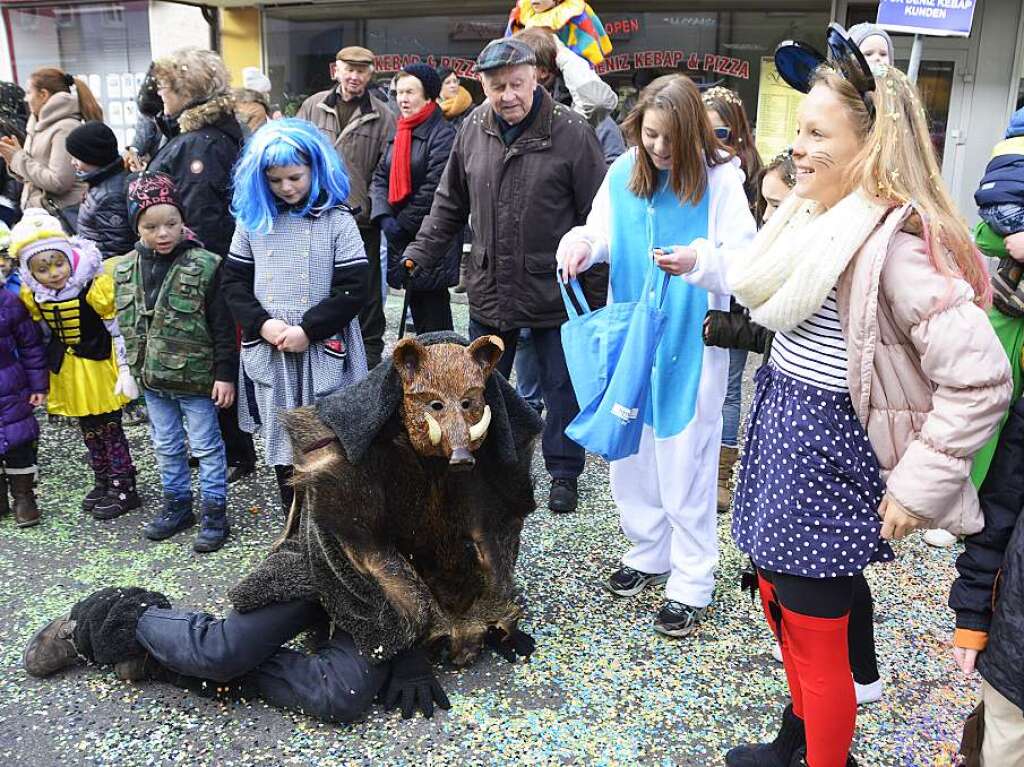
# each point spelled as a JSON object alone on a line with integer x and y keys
{"x": 400, "y": 181}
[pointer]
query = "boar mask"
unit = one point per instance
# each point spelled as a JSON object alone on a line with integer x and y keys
{"x": 443, "y": 405}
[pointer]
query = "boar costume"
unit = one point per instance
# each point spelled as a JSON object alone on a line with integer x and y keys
{"x": 413, "y": 485}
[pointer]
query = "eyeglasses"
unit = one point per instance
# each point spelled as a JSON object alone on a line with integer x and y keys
{"x": 723, "y": 132}
{"x": 797, "y": 61}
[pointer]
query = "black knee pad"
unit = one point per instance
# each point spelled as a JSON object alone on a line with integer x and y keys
{"x": 105, "y": 623}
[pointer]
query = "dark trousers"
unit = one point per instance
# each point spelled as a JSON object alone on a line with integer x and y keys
{"x": 431, "y": 310}
{"x": 20, "y": 459}
{"x": 563, "y": 458}
{"x": 237, "y": 443}
{"x": 371, "y": 316}
{"x": 335, "y": 684}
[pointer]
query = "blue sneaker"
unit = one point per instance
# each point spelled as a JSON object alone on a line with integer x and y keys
{"x": 214, "y": 528}
{"x": 176, "y": 516}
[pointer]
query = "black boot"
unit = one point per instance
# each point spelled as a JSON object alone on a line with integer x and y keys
{"x": 175, "y": 517}
{"x": 563, "y": 496}
{"x": 5, "y": 503}
{"x": 94, "y": 496}
{"x": 121, "y": 497}
{"x": 778, "y": 753}
{"x": 214, "y": 528}
{"x": 800, "y": 759}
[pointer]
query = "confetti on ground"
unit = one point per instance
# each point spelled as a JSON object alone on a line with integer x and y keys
{"x": 602, "y": 689}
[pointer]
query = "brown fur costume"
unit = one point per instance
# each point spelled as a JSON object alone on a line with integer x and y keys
{"x": 400, "y": 547}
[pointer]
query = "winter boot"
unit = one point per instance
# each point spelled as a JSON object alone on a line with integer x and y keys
{"x": 94, "y": 496}
{"x": 121, "y": 498}
{"x": 800, "y": 759}
{"x": 52, "y": 648}
{"x": 213, "y": 529}
{"x": 779, "y": 753}
{"x": 176, "y": 516}
{"x": 26, "y": 512}
{"x": 726, "y": 462}
{"x": 5, "y": 504}
{"x": 564, "y": 495}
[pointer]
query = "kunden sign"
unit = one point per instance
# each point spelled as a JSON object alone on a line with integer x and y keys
{"x": 945, "y": 18}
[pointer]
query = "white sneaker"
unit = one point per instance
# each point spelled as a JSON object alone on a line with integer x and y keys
{"x": 940, "y": 539}
{"x": 868, "y": 693}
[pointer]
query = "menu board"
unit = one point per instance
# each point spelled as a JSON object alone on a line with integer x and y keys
{"x": 777, "y": 105}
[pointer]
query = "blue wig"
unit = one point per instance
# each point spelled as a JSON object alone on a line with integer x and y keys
{"x": 285, "y": 142}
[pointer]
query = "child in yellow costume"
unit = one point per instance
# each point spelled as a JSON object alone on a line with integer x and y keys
{"x": 65, "y": 288}
{"x": 573, "y": 21}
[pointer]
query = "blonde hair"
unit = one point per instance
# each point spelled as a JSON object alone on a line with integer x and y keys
{"x": 897, "y": 164}
{"x": 195, "y": 73}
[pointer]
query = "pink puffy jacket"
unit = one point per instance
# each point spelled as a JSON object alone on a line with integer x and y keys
{"x": 928, "y": 378}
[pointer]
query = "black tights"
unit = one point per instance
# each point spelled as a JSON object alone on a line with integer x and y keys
{"x": 833, "y": 598}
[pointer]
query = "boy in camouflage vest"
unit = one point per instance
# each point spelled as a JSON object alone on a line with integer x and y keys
{"x": 180, "y": 344}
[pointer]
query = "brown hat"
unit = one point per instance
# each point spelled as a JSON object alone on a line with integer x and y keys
{"x": 355, "y": 54}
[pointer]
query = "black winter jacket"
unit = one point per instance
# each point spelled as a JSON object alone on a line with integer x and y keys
{"x": 988, "y": 597}
{"x": 202, "y": 148}
{"x": 431, "y": 146}
{"x": 103, "y": 216}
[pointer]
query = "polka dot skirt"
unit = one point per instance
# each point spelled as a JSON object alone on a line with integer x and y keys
{"x": 810, "y": 485}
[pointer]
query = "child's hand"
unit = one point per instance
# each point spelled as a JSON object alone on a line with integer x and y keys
{"x": 38, "y": 399}
{"x": 965, "y": 659}
{"x": 294, "y": 340}
{"x": 1015, "y": 246}
{"x": 272, "y": 330}
{"x": 223, "y": 395}
{"x": 679, "y": 259}
{"x": 897, "y": 522}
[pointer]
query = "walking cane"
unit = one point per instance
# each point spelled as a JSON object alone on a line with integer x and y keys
{"x": 408, "y": 264}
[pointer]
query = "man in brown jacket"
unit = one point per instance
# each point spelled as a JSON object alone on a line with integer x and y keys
{"x": 526, "y": 170}
{"x": 359, "y": 126}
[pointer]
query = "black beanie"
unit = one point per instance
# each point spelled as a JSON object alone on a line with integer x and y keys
{"x": 428, "y": 76}
{"x": 93, "y": 143}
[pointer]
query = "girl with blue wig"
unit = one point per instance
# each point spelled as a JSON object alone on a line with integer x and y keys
{"x": 295, "y": 279}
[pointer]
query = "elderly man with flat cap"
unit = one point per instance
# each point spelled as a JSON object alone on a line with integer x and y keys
{"x": 359, "y": 126}
{"x": 523, "y": 172}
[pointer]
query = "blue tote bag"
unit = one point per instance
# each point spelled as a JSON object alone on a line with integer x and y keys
{"x": 609, "y": 354}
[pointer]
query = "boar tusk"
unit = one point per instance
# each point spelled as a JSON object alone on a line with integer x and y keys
{"x": 479, "y": 429}
{"x": 433, "y": 430}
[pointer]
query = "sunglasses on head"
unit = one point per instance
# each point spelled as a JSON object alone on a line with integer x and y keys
{"x": 723, "y": 132}
{"x": 797, "y": 62}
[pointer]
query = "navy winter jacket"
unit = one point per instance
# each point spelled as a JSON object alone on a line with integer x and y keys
{"x": 103, "y": 216}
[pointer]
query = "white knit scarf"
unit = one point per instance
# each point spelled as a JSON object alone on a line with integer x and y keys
{"x": 796, "y": 259}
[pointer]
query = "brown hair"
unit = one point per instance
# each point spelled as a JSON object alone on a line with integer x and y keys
{"x": 783, "y": 163}
{"x": 56, "y": 80}
{"x": 542, "y": 41}
{"x": 694, "y": 146}
{"x": 729, "y": 107}
{"x": 897, "y": 164}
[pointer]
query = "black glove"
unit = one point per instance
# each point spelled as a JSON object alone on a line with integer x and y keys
{"x": 413, "y": 685}
{"x": 508, "y": 646}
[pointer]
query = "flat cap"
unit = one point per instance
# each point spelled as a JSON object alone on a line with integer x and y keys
{"x": 355, "y": 54}
{"x": 504, "y": 52}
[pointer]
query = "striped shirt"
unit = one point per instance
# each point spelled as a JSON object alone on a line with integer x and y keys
{"x": 814, "y": 351}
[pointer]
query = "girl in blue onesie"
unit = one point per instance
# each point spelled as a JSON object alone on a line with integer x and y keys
{"x": 676, "y": 194}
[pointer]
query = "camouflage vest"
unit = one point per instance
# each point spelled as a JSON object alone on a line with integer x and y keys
{"x": 169, "y": 348}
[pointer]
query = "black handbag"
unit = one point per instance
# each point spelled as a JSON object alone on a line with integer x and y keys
{"x": 974, "y": 734}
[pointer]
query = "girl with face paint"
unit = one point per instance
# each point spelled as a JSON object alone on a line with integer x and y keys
{"x": 63, "y": 286}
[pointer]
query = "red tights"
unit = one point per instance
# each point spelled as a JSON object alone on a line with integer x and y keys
{"x": 816, "y": 657}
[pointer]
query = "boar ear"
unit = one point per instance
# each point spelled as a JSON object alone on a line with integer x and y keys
{"x": 486, "y": 351}
{"x": 408, "y": 357}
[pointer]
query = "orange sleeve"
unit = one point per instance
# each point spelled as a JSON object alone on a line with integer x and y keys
{"x": 970, "y": 639}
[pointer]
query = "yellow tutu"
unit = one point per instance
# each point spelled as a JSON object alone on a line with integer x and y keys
{"x": 84, "y": 387}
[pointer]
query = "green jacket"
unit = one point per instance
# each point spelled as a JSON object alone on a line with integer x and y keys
{"x": 169, "y": 348}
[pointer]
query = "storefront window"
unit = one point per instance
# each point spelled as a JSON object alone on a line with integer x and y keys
{"x": 105, "y": 45}
{"x": 711, "y": 47}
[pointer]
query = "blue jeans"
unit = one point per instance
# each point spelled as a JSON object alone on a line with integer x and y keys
{"x": 733, "y": 398}
{"x": 528, "y": 371}
{"x": 171, "y": 416}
